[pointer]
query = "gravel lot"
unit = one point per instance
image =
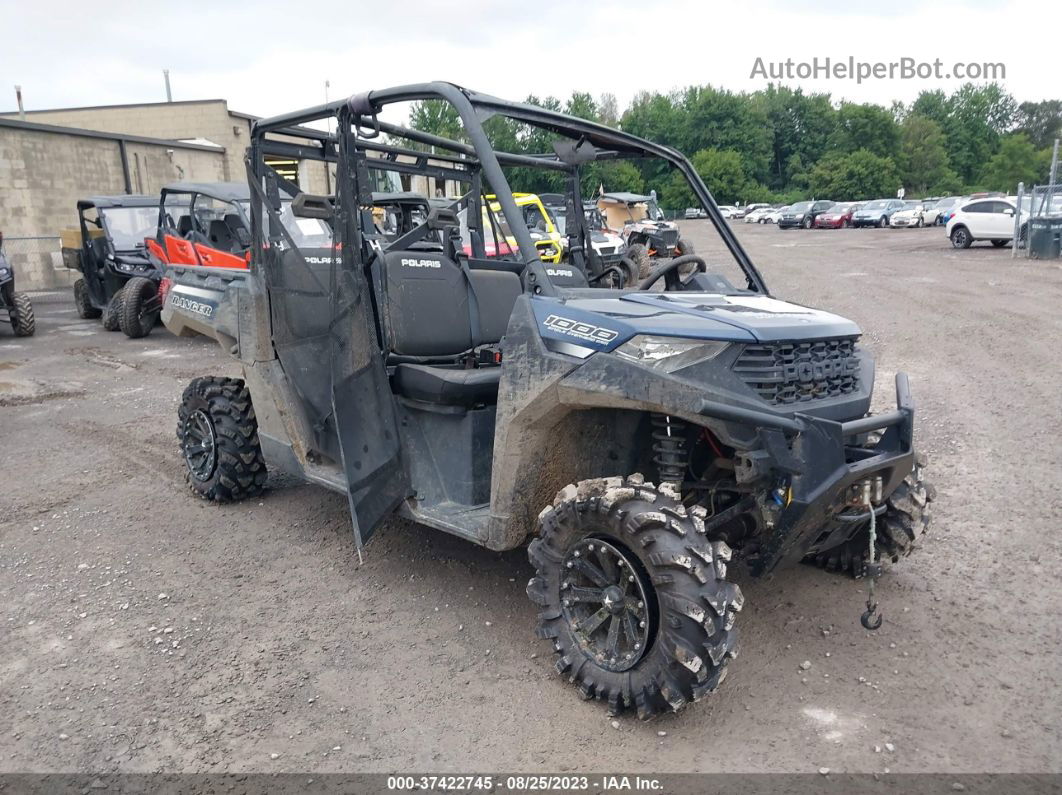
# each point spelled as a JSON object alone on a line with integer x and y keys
{"x": 143, "y": 630}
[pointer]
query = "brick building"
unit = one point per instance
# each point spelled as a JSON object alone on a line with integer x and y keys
{"x": 52, "y": 158}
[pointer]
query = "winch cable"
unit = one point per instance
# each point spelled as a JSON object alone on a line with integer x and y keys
{"x": 871, "y": 619}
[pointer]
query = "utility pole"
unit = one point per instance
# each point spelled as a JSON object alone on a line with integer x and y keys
{"x": 166, "y": 77}
{"x": 1054, "y": 165}
{"x": 22, "y": 111}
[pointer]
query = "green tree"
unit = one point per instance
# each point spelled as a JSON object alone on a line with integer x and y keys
{"x": 437, "y": 117}
{"x": 722, "y": 170}
{"x": 869, "y": 127}
{"x": 798, "y": 125}
{"x": 1041, "y": 121}
{"x": 581, "y": 105}
{"x": 857, "y": 175}
{"x": 1017, "y": 160}
{"x": 715, "y": 119}
{"x": 924, "y": 157}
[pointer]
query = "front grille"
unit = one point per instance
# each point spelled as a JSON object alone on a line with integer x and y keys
{"x": 669, "y": 237}
{"x": 783, "y": 373}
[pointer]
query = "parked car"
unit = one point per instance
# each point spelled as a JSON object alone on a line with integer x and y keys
{"x": 758, "y": 216}
{"x": 728, "y": 210}
{"x": 695, "y": 212}
{"x": 803, "y": 214}
{"x": 838, "y": 216}
{"x": 983, "y": 219}
{"x": 755, "y": 212}
{"x": 946, "y": 208}
{"x": 876, "y": 213}
{"x": 911, "y": 214}
{"x": 775, "y": 216}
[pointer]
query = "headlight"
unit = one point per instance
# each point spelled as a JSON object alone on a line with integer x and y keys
{"x": 4, "y": 273}
{"x": 669, "y": 353}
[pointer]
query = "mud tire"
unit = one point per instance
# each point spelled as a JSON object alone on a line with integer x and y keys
{"x": 238, "y": 470}
{"x": 112, "y": 314}
{"x": 639, "y": 255}
{"x": 691, "y": 606}
{"x": 85, "y": 309}
{"x": 133, "y": 320}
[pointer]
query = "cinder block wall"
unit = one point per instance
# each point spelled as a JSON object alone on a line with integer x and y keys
{"x": 208, "y": 119}
{"x": 43, "y": 174}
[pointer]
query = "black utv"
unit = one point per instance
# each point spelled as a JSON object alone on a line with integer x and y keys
{"x": 119, "y": 276}
{"x": 645, "y": 438}
{"x": 17, "y": 306}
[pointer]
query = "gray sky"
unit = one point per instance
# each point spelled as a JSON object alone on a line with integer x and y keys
{"x": 268, "y": 57}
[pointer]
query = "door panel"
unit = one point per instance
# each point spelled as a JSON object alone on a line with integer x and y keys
{"x": 324, "y": 333}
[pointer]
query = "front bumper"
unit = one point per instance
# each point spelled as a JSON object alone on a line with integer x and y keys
{"x": 787, "y": 223}
{"x": 825, "y": 460}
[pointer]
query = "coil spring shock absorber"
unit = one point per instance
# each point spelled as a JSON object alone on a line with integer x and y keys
{"x": 669, "y": 447}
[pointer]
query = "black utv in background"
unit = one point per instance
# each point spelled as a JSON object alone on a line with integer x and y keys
{"x": 109, "y": 249}
{"x": 18, "y": 307}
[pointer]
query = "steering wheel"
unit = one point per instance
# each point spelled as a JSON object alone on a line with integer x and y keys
{"x": 670, "y": 267}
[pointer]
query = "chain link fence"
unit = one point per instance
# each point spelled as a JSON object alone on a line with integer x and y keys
{"x": 1038, "y": 221}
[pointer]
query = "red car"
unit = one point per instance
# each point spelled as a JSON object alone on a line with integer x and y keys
{"x": 838, "y": 216}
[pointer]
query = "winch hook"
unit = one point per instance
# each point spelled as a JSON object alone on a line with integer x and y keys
{"x": 871, "y": 619}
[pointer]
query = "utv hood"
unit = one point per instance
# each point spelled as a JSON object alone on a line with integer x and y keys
{"x": 603, "y": 324}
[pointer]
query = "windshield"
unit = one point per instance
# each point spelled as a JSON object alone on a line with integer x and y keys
{"x": 560, "y": 218}
{"x": 594, "y": 219}
{"x": 841, "y": 208}
{"x": 800, "y": 207}
{"x": 534, "y": 218}
{"x": 876, "y": 205}
{"x": 128, "y": 226}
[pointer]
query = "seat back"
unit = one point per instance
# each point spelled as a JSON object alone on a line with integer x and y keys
{"x": 427, "y": 304}
{"x": 496, "y": 292}
{"x": 220, "y": 236}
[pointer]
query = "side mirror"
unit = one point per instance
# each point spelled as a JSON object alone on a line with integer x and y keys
{"x": 1009, "y": 211}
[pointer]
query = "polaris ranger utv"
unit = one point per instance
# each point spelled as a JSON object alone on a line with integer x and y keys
{"x": 109, "y": 248}
{"x": 640, "y": 222}
{"x": 18, "y": 307}
{"x": 642, "y": 437}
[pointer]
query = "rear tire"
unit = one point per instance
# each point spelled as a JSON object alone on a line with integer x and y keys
{"x": 133, "y": 320}
{"x": 961, "y": 237}
{"x": 685, "y": 619}
{"x": 218, "y": 435}
{"x": 22, "y": 320}
{"x": 85, "y": 309}
{"x": 905, "y": 519}
{"x": 113, "y": 312}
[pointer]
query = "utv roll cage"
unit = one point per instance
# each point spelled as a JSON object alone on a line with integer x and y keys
{"x": 363, "y": 142}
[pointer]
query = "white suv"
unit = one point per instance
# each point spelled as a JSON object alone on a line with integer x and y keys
{"x": 983, "y": 219}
